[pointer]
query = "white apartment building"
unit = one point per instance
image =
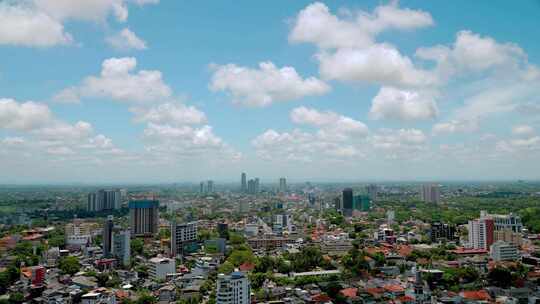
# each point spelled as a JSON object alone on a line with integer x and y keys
{"x": 161, "y": 267}
{"x": 233, "y": 289}
{"x": 502, "y": 251}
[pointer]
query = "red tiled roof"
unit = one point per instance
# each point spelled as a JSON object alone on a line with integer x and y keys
{"x": 405, "y": 299}
{"x": 321, "y": 298}
{"x": 374, "y": 291}
{"x": 349, "y": 292}
{"x": 394, "y": 288}
{"x": 247, "y": 267}
{"x": 479, "y": 295}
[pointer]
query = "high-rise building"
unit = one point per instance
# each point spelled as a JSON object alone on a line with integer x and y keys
{"x": 347, "y": 203}
{"x": 253, "y": 186}
{"x": 210, "y": 186}
{"x": 509, "y": 221}
{"x": 361, "y": 203}
{"x": 282, "y": 184}
{"x": 104, "y": 200}
{"x": 121, "y": 245}
{"x": 481, "y": 233}
{"x": 243, "y": 182}
{"x": 201, "y": 188}
{"x": 337, "y": 204}
{"x": 441, "y": 231}
{"x": 372, "y": 191}
{"x": 430, "y": 193}
{"x": 108, "y": 236}
{"x": 144, "y": 217}
{"x": 223, "y": 230}
{"x": 257, "y": 185}
{"x": 233, "y": 289}
{"x": 183, "y": 236}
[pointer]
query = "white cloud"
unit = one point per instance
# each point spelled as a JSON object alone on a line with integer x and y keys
{"x": 266, "y": 85}
{"x": 404, "y": 105}
{"x": 87, "y": 10}
{"x": 126, "y": 40}
{"x": 472, "y": 53}
{"x": 171, "y": 114}
{"x": 119, "y": 81}
{"x": 394, "y": 139}
{"x": 377, "y": 64}
{"x": 455, "y": 126}
{"x": 40, "y": 23}
{"x": 23, "y": 26}
{"x": 523, "y": 130}
{"x": 315, "y": 24}
{"x": 331, "y": 124}
{"x": 23, "y": 116}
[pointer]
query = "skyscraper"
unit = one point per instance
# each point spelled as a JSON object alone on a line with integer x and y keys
{"x": 201, "y": 188}
{"x": 243, "y": 187}
{"x": 144, "y": 216}
{"x": 104, "y": 200}
{"x": 282, "y": 184}
{"x": 210, "y": 186}
{"x": 372, "y": 191}
{"x": 430, "y": 193}
{"x": 108, "y": 236}
{"x": 347, "y": 202}
{"x": 121, "y": 245}
{"x": 257, "y": 185}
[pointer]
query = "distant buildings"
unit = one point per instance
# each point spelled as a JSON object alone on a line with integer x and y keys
{"x": 282, "y": 184}
{"x": 233, "y": 289}
{"x": 430, "y": 193}
{"x": 144, "y": 217}
{"x": 223, "y": 230}
{"x": 361, "y": 203}
{"x": 206, "y": 187}
{"x": 161, "y": 267}
{"x": 243, "y": 182}
{"x": 372, "y": 191}
{"x": 182, "y": 237}
{"x": 104, "y": 200}
{"x": 253, "y": 186}
{"x": 347, "y": 202}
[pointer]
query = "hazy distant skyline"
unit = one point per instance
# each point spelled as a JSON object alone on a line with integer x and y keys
{"x": 135, "y": 91}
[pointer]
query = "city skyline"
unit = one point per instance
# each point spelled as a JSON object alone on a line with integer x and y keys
{"x": 150, "y": 92}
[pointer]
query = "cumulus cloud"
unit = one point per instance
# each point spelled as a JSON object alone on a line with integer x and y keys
{"x": 377, "y": 64}
{"x": 126, "y": 40}
{"x": 316, "y": 24}
{"x": 40, "y": 23}
{"x": 119, "y": 81}
{"x": 404, "y": 105}
{"x": 348, "y": 50}
{"x": 265, "y": 85}
{"x": 523, "y": 130}
{"x": 331, "y": 124}
{"x": 171, "y": 114}
{"x": 39, "y": 130}
{"x": 23, "y": 116}
{"x": 23, "y": 26}
{"x": 455, "y": 126}
{"x": 472, "y": 53}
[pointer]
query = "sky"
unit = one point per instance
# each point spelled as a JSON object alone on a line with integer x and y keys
{"x": 135, "y": 91}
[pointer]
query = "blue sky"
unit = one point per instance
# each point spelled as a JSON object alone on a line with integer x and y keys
{"x": 165, "y": 91}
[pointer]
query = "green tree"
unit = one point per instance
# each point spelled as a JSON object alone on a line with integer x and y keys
{"x": 69, "y": 265}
